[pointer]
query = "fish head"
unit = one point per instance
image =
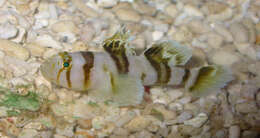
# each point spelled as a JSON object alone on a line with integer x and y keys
{"x": 55, "y": 67}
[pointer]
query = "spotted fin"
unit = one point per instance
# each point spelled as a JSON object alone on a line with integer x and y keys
{"x": 119, "y": 43}
{"x": 205, "y": 80}
{"x": 170, "y": 52}
{"x": 118, "y": 48}
{"x": 124, "y": 90}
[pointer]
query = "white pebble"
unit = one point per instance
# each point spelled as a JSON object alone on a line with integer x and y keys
{"x": 246, "y": 49}
{"x": 14, "y": 49}
{"x": 197, "y": 121}
{"x": 171, "y": 10}
{"x": 174, "y": 94}
{"x": 192, "y": 11}
{"x": 138, "y": 123}
{"x": 28, "y": 133}
{"x": 47, "y": 41}
{"x": 8, "y": 31}
{"x": 239, "y": 32}
{"x": 21, "y": 35}
{"x": 40, "y": 23}
{"x": 2, "y": 2}
{"x": 234, "y": 132}
{"x": 224, "y": 58}
{"x": 53, "y": 11}
{"x": 159, "y": 96}
{"x": 157, "y": 35}
{"x": 125, "y": 118}
{"x": 224, "y": 32}
{"x": 183, "y": 117}
{"x": 214, "y": 40}
{"x": 107, "y": 3}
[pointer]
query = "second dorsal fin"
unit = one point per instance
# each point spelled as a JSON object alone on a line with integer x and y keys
{"x": 170, "y": 52}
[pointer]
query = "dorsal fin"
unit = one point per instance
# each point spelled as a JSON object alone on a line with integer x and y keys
{"x": 119, "y": 43}
{"x": 118, "y": 48}
{"x": 171, "y": 52}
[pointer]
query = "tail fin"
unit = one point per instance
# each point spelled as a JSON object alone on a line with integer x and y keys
{"x": 202, "y": 81}
{"x": 170, "y": 51}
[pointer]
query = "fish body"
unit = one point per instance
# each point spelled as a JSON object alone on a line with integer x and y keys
{"x": 118, "y": 74}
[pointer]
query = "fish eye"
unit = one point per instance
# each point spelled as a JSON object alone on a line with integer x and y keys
{"x": 66, "y": 64}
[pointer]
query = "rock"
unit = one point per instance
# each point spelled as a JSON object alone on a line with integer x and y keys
{"x": 184, "y": 116}
{"x": 65, "y": 131}
{"x": 198, "y": 27}
{"x": 14, "y": 49}
{"x": 20, "y": 38}
{"x": 28, "y": 133}
{"x": 8, "y": 31}
{"x": 107, "y": 3}
{"x": 138, "y": 123}
{"x": 2, "y": 2}
{"x": 167, "y": 114}
{"x": 128, "y": 14}
{"x": 157, "y": 35}
{"x": 250, "y": 134}
{"x": 172, "y": 10}
{"x": 188, "y": 130}
{"x": 144, "y": 8}
{"x": 239, "y": 32}
{"x": 246, "y": 107}
{"x": 35, "y": 49}
{"x": 50, "y": 52}
{"x": 47, "y": 41}
{"x": 3, "y": 111}
{"x": 67, "y": 37}
{"x": 84, "y": 110}
{"x": 125, "y": 118}
{"x": 182, "y": 35}
{"x": 246, "y": 49}
{"x": 85, "y": 9}
{"x": 227, "y": 36}
{"x": 159, "y": 96}
{"x": 217, "y": 11}
{"x": 40, "y": 23}
{"x": 220, "y": 58}
{"x": 174, "y": 94}
{"x": 17, "y": 66}
{"x": 197, "y": 121}
{"x": 192, "y": 11}
{"x": 234, "y": 132}
{"x": 214, "y": 40}
{"x": 65, "y": 26}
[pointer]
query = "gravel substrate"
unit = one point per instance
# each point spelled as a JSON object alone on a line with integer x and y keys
{"x": 224, "y": 32}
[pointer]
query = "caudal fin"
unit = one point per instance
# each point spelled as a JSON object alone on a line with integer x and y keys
{"x": 205, "y": 80}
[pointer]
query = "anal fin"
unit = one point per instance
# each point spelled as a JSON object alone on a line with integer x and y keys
{"x": 124, "y": 90}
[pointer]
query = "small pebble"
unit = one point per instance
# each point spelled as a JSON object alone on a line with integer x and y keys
{"x": 14, "y": 49}
{"x": 128, "y": 15}
{"x": 197, "y": 121}
{"x": 107, "y": 3}
{"x": 239, "y": 32}
{"x": 192, "y": 11}
{"x": 220, "y": 58}
{"x": 8, "y": 31}
{"x": 65, "y": 26}
{"x": 138, "y": 123}
{"x": 47, "y": 41}
{"x": 234, "y": 132}
{"x": 172, "y": 10}
{"x": 28, "y": 133}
